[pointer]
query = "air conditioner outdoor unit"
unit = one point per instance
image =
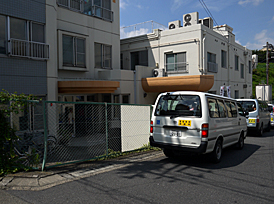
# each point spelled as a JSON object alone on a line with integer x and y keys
{"x": 174, "y": 24}
{"x": 158, "y": 72}
{"x": 208, "y": 22}
{"x": 191, "y": 19}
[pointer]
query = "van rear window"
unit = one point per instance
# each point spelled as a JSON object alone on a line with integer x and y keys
{"x": 248, "y": 105}
{"x": 179, "y": 105}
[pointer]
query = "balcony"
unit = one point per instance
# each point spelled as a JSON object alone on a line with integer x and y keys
{"x": 212, "y": 67}
{"x": 28, "y": 49}
{"x": 87, "y": 8}
{"x": 76, "y": 5}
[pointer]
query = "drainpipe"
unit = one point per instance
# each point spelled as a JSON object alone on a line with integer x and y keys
{"x": 135, "y": 94}
{"x": 203, "y": 54}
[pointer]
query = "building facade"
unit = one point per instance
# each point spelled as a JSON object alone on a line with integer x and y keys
{"x": 23, "y": 48}
{"x": 197, "y": 48}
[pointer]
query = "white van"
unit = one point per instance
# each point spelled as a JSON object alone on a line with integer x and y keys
{"x": 259, "y": 115}
{"x": 196, "y": 122}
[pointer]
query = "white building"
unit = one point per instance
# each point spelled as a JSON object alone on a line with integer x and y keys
{"x": 196, "y": 56}
{"x": 84, "y": 39}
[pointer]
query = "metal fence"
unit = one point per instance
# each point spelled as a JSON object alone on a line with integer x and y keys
{"x": 64, "y": 132}
{"x": 84, "y": 131}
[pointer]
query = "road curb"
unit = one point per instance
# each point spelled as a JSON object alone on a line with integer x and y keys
{"x": 36, "y": 181}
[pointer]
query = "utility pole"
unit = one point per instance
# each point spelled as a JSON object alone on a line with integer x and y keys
{"x": 267, "y": 63}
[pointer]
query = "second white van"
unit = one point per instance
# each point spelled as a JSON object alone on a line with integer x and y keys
{"x": 196, "y": 123}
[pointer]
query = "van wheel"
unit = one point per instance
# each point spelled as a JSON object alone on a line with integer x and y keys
{"x": 240, "y": 143}
{"x": 261, "y": 131}
{"x": 169, "y": 153}
{"x": 216, "y": 155}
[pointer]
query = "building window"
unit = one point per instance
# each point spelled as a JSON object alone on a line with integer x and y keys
{"x": 26, "y": 38}
{"x": 176, "y": 62}
{"x": 76, "y": 5}
{"x": 3, "y": 40}
{"x": 99, "y": 8}
{"x": 249, "y": 67}
{"x": 121, "y": 61}
{"x": 212, "y": 66}
{"x": 223, "y": 60}
{"x": 74, "y": 54}
{"x": 242, "y": 71}
{"x": 103, "y": 56}
{"x": 236, "y": 94}
{"x": 125, "y": 99}
{"x": 139, "y": 58}
{"x": 236, "y": 63}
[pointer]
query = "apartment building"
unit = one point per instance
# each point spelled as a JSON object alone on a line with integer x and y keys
{"x": 195, "y": 56}
{"x": 84, "y": 40}
{"x": 23, "y": 49}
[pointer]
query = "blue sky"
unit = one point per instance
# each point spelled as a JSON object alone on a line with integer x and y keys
{"x": 252, "y": 20}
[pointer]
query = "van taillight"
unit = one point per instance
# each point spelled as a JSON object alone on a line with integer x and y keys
{"x": 258, "y": 119}
{"x": 205, "y": 130}
{"x": 151, "y": 126}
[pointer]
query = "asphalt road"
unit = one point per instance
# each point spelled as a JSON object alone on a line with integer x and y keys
{"x": 243, "y": 176}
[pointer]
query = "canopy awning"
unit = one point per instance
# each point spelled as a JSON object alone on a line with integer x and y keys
{"x": 178, "y": 83}
{"x": 85, "y": 87}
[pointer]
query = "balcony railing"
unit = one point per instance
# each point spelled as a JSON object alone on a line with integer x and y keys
{"x": 23, "y": 48}
{"x": 180, "y": 67}
{"x": 87, "y": 8}
{"x": 103, "y": 13}
{"x": 76, "y": 5}
{"x": 212, "y": 67}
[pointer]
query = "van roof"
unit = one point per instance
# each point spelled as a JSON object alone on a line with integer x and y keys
{"x": 196, "y": 93}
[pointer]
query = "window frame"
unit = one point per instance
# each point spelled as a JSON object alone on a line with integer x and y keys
{"x": 242, "y": 71}
{"x": 175, "y": 63}
{"x": 103, "y": 56}
{"x": 61, "y": 66}
{"x": 236, "y": 63}
{"x": 224, "y": 59}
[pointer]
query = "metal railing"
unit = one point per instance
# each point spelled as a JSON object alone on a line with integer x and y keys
{"x": 212, "y": 67}
{"x": 179, "y": 67}
{"x": 23, "y": 48}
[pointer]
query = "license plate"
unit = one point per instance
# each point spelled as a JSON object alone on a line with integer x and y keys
{"x": 251, "y": 120}
{"x": 174, "y": 133}
{"x": 184, "y": 123}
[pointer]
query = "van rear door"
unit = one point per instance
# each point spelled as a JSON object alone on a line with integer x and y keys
{"x": 177, "y": 120}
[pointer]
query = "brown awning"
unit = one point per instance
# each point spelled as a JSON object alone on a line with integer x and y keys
{"x": 178, "y": 83}
{"x": 85, "y": 87}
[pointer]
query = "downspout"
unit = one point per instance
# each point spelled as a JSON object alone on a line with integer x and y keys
{"x": 135, "y": 94}
{"x": 203, "y": 54}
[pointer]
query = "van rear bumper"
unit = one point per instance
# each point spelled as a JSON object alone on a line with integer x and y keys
{"x": 199, "y": 150}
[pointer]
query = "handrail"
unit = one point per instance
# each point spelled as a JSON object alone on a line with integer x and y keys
{"x": 29, "y": 49}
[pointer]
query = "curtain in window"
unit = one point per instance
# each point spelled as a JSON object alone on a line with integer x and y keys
{"x": 181, "y": 61}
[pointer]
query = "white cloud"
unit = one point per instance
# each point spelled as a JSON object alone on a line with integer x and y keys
{"x": 260, "y": 40}
{"x": 254, "y": 2}
{"x": 123, "y": 4}
{"x": 124, "y": 34}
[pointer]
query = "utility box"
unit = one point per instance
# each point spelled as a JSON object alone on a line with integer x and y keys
{"x": 264, "y": 92}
